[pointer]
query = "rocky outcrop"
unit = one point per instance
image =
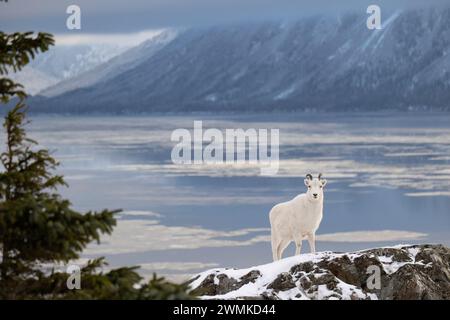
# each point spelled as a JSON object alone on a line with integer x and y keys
{"x": 398, "y": 273}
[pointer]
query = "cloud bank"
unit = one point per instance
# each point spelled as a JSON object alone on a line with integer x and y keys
{"x": 106, "y": 16}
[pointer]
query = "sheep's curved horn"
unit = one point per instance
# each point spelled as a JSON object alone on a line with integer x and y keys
{"x": 309, "y": 176}
{"x": 320, "y": 176}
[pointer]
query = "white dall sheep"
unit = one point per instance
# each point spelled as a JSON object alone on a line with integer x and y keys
{"x": 298, "y": 218}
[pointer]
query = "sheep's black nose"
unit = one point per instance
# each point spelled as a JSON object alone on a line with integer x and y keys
{"x": 315, "y": 195}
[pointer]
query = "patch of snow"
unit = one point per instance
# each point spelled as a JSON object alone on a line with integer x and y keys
{"x": 285, "y": 94}
{"x": 271, "y": 271}
{"x": 380, "y": 33}
{"x": 211, "y": 98}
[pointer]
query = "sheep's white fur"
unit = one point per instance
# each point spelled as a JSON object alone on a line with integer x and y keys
{"x": 298, "y": 218}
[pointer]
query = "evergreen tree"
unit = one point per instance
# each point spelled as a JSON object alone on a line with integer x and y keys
{"x": 16, "y": 51}
{"x": 37, "y": 226}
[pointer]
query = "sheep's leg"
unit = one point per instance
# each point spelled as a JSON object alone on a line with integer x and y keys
{"x": 312, "y": 242}
{"x": 275, "y": 245}
{"x": 298, "y": 246}
{"x": 281, "y": 247}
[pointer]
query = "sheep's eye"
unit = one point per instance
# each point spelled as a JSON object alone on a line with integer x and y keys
{"x": 309, "y": 187}
{"x": 321, "y": 187}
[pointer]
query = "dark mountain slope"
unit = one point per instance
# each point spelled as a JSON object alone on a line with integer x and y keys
{"x": 318, "y": 63}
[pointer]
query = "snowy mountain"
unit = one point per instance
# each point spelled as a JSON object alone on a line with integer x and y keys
{"x": 33, "y": 80}
{"x": 109, "y": 68}
{"x": 406, "y": 272}
{"x": 64, "y": 62}
{"x": 316, "y": 63}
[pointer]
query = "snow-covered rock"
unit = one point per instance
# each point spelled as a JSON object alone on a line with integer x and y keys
{"x": 406, "y": 272}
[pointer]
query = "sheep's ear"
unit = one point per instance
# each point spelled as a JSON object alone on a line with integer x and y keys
{"x": 307, "y": 182}
{"x": 324, "y": 182}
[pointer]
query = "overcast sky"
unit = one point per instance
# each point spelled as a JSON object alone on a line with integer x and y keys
{"x": 112, "y": 16}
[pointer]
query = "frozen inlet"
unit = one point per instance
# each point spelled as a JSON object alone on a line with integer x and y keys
{"x": 236, "y": 146}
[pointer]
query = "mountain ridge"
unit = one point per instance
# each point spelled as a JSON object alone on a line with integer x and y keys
{"x": 316, "y": 63}
{"x": 116, "y": 65}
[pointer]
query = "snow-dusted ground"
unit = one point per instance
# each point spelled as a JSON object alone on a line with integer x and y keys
{"x": 307, "y": 276}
